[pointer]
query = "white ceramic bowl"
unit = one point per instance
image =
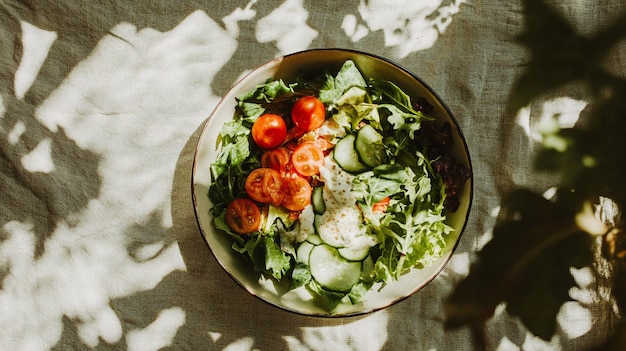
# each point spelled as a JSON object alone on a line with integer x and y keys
{"x": 287, "y": 68}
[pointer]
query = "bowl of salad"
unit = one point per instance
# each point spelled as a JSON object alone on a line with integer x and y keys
{"x": 331, "y": 182}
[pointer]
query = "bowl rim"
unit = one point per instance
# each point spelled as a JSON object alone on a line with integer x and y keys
{"x": 451, "y": 115}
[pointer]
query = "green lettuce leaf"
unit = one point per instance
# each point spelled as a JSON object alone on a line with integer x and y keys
{"x": 277, "y": 262}
{"x": 268, "y": 91}
{"x": 347, "y": 77}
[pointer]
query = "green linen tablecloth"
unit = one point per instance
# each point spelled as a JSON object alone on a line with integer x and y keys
{"x": 101, "y": 104}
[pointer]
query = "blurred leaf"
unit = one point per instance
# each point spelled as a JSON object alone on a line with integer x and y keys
{"x": 560, "y": 55}
{"x": 526, "y": 265}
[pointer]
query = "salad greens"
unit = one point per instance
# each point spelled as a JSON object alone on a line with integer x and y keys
{"x": 414, "y": 174}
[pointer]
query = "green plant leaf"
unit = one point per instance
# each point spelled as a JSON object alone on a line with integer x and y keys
{"x": 526, "y": 266}
{"x": 559, "y": 54}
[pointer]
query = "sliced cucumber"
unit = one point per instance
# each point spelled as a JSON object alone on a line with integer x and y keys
{"x": 346, "y": 156}
{"x": 369, "y": 146}
{"x": 332, "y": 271}
{"x": 317, "y": 199}
{"x": 354, "y": 254}
{"x": 328, "y": 233}
{"x": 303, "y": 252}
{"x": 314, "y": 239}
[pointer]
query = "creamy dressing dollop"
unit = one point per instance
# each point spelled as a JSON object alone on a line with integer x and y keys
{"x": 341, "y": 225}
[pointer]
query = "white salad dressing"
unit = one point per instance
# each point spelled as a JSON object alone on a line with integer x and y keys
{"x": 342, "y": 222}
{"x": 305, "y": 227}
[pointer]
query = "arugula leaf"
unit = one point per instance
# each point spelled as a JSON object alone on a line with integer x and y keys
{"x": 220, "y": 223}
{"x": 391, "y": 92}
{"x": 401, "y": 120}
{"x": 234, "y": 147}
{"x": 300, "y": 276}
{"x": 400, "y": 111}
{"x": 330, "y": 299}
{"x": 358, "y": 291}
{"x": 277, "y": 262}
{"x": 250, "y": 110}
{"x": 232, "y": 130}
{"x": 268, "y": 91}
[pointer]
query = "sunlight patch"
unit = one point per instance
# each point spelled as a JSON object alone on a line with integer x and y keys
{"x": 231, "y": 22}
{"x": 36, "y": 44}
{"x": 353, "y": 29}
{"x": 241, "y": 344}
{"x": 577, "y": 319}
{"x": 460, "y": 263}
{"x": 40, "y": 159}
{"x": 16, "y": 133}
{"x": 103, "y": 324}
{"x": 408, "y": 26}
{"x": 160, "y": 333}
{"x": 563, "y": 111}
{"x": 506, "y": 344}
{"x": 364, "y": 334}
{"x": 286, "y": 26}
{"x": 122, "y": 103}
{"x": 215, "y": 336}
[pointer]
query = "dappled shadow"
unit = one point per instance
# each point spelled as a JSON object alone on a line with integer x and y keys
{"x": 202, "y": 294}
{"x": 79, "y": 27}
{"x": 39, "y": 198}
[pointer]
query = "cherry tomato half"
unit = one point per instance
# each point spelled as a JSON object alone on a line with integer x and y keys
{"x": 307, "y": 158}
{"x": 381, "y": 206}
{"x": 297, "y": 192}
{"x": 308, "y": 113}
{"x": 243, "y": 216}
{"x": 277, "y": 159}
{"x": 269, "y": 131}
{"x": 265, "y": 185}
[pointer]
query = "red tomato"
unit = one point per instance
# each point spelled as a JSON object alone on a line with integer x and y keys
{"x": 277, "y": 159}
{"x": 295, "y": 133}
{"x": 243, "y": 216}
{"x": 308, "y": 113}
{"x": 381, "y": 206}
{"x": 265, "y": 185}
{"x": 307, "y": 158}
{"x": 297, "y": 192}
{"x": 269, "y": 131}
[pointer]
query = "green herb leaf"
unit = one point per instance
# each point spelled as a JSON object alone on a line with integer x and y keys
{"x": 277, "y": 262}
{"x": 268, "y": 91}
{"x": 347, "y": 77}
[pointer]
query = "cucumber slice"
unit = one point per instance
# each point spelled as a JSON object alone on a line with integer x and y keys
{"x": 346, "y": 156}
{"x": 314, "y": 239}
{"x": 328, "y": 233}
{"x": 332, "y": 271}
{"x": 354, "y": 254}
{"x": 317, "y": 200}
{"x": 369, "y": 146}
{"x": 303, "y": 252}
